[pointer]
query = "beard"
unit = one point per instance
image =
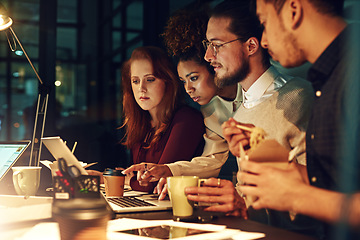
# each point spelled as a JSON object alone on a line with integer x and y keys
{"x": 230, "y": 79}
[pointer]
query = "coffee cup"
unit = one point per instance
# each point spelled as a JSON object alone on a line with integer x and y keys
{"x": 81, "y": 218}
{"x": 114, "y": 183}
{"x": 26, "y": 180}
{"x": 181, "y": 206}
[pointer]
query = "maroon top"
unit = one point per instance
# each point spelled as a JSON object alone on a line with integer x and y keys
{"x": 183, "y": 140}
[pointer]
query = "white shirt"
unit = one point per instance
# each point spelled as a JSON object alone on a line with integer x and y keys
{"x": 265, "y": 86}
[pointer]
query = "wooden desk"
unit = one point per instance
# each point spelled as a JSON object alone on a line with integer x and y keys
{"x": 271, "y": 233}
{"x": 13, "y": 231}
{"x": 16, "y": 230}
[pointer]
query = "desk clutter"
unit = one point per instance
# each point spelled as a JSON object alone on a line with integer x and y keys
{"x": 68, "y": 182}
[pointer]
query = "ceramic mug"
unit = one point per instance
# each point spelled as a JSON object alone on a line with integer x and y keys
{"x": 26, "y": 180}
{"x": 182, "y": 207}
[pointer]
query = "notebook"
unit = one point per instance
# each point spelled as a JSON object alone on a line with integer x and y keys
{"x": 10, "y": 152}
{"x": 58, "y": 149}
{"x": 134, "y": 201}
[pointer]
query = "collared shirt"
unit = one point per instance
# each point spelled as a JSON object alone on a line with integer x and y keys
{"x": 335, "y": 120}
{"x": 330, "y": 75}
{"x": 265, "y": 86}
{"x": 281, "y": 105}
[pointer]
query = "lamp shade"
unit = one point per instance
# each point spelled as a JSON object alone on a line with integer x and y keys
{"x": 5, "y": 20}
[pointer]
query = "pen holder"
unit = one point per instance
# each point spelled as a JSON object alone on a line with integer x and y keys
{"x": 84, "y": 186}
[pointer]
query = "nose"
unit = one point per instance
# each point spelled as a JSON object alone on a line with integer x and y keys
{"x": 189, "y": 88}
{"x": 264, "y": 42}
{"x": 209, "y": 55}
{"x": 142, "y": 86}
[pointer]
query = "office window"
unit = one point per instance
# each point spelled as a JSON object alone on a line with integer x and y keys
{"x": 3, "y": 101}
{"x": 24, "y": 91}
{"x": 27, "y": 10}
{"x": 67, "y": 11}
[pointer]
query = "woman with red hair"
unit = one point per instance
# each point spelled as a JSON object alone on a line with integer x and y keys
{"x": 158, "y": 127}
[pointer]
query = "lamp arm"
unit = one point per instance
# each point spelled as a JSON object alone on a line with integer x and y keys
{"x": 43, "y": 107}
{"x": 27, "y": 57}
{"x": 43, "y": 111}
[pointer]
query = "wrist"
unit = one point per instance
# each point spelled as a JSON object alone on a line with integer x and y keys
{"x": 299, "y": 198}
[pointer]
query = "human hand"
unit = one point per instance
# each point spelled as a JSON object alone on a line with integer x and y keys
{"x": 271, "y": 187}
{"x": 161, "y": 188}
{"x": 149, "y": 172}
{"x": 128, "y": 176}
{"x": 234, "y": 135}
{"x": 223, "y": 192}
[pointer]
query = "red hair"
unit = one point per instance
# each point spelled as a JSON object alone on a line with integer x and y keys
{"x": 137, "y": 120}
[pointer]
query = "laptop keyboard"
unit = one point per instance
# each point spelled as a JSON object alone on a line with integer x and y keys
{"x": 126, "y": 202}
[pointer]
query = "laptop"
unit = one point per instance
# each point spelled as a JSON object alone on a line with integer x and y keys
{"x": 134, "y": 201}
{"x": 10, "y": 152}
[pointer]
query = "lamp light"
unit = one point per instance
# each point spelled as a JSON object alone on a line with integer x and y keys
{"x": 43, "y": 97}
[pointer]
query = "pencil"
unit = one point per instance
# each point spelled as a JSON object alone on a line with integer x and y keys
{"x": 244, "y": 128}
{"x": 90, "y": 164}
{"x": 73, "y": 149}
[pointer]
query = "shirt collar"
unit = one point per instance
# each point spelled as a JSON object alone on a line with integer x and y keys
{"x": 324, "y": 65}
{"x": 261, "y": 85}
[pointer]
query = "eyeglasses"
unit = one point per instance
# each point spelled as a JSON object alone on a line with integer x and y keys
{"x": 216, "y": 47}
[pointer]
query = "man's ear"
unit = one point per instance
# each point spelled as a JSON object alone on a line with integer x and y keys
{"x": 296, "y": 12}
{"x": 252, "y": 45}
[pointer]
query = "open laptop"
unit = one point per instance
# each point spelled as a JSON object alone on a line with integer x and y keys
{"x": 10, "y": 152}
{"x": 132, "y": 201}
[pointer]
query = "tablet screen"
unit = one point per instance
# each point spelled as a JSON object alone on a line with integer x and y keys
{"x": 165, "y": 232}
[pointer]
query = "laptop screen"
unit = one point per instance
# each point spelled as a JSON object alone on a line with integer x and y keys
{"x": 9, "y": 154}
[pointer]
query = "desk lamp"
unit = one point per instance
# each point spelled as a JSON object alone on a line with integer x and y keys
{"x": 42, "y": 102}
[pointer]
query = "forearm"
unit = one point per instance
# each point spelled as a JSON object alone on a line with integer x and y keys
{"x": 215, "y": 154}
{"x": 317, "y": 203}
{"x": 203, "y": 166}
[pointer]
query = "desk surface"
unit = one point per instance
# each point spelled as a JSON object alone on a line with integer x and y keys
{"x": 271, "y": 233}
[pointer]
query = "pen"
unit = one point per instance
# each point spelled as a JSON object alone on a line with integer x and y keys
{"x": 145, "y": 167}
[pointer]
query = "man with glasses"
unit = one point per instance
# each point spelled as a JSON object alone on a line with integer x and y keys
{"x": 277, "y": 103}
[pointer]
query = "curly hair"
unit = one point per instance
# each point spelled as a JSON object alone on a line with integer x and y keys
{"x": 183, "y": 36}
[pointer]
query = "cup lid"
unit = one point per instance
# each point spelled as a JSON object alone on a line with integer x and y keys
{"x": 112, "y": 172}
{"x": 80, "y": 208}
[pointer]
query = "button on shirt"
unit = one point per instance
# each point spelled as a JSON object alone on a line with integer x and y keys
{"x": 324, "y": 135}
{"x": 265, "y": 86}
